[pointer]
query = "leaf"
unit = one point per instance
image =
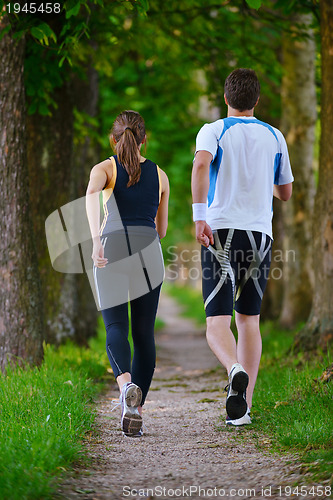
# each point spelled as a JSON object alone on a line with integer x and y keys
{"x": 43, "y": 109}
{"x": 61, "y": 62}
{"x": 144, "y": 4}
{"x": 43, "y": 32}
{"x": 37, "y": 33}
{"x": 254, "y": 4}
{"x": 280, "y": 403}
{"x": 6, "y": 30}
{"x": 33, "y": 107}
{"x": 74, "y": 11}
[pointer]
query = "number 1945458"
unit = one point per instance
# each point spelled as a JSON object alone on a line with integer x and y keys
{"x": 33, "y": 8}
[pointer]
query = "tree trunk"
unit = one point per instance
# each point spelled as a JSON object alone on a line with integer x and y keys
{"x": 272, "y": 300}
{"x": 298, "y": 124}
{"x": 86, "y": 154}
{"x": 50, "y": 142}
{"x": 21, "y": 310}
{"x": 319, "y": 329}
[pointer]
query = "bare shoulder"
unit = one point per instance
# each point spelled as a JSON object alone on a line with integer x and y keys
{"x": 164, "y": 179}
{"x": 102, "y": 166}
{"x": 104, "y": 170}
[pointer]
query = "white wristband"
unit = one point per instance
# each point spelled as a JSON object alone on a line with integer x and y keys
{"x": 199, "y": 211}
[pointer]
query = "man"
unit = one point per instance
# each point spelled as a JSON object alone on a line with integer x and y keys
{"x": 240, "y": 163}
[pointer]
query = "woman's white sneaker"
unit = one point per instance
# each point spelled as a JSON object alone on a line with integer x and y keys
{"x": 130, "y": 398}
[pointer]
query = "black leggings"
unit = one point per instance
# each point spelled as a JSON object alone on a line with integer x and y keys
{"x": 143, "y": 314}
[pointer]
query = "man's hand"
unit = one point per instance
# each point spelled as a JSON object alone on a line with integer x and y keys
{"x": 204, "y": 233}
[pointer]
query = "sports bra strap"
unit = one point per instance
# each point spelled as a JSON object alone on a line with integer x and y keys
{"x": 114, "y": 173}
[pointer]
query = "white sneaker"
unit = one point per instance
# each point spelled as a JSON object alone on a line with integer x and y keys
{"x": 236, "y": 404}
{"x": 245, "y": 419}
{"x": 130, "y": 398}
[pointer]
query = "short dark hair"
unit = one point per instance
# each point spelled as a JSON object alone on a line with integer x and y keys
{"x": 242, "y": 89}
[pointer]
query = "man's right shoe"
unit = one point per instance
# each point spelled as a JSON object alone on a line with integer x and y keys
{"x": 236, "y": 405}
{"x": 130, "y": 398}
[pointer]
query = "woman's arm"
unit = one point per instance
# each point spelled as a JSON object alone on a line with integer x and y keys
{"x": 162, "y": 212}
{"x": 97, "y": 181}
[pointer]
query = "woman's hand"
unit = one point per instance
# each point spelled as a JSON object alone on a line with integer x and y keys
{"x": 98, "y": 255}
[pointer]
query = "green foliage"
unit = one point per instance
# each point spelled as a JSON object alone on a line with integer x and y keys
{"x": 164, "y": 76}
{"x": 43, "y": 33}
{"x": 86, "y": 126}
{"x": 160, "y": 59}
{"x": 254, "y": 4}
{"x": 45, "y": 412}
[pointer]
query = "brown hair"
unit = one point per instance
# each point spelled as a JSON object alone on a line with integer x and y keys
{"x": 242, "y": 89}
{"x": 129, "y": 132}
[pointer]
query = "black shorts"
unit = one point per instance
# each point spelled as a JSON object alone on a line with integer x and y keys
{"x": 235, "y": 272}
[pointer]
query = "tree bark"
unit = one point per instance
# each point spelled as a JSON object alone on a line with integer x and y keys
{"x": 272, "y": 300}
{"x": 298, "y": 124}
{"x": 319, "y": 329}
{"x": 21, "y": 308}
{"x": 86, "y": 154}
{"x": 50, "y": 142}
{"x": 60, "y": 160}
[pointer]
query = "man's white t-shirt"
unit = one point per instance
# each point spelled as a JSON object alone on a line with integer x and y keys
{"x": 249, "y": 157}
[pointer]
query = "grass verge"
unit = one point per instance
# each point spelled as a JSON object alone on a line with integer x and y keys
{"x": 45, "y": 412}
{"x": 291, "y": 405}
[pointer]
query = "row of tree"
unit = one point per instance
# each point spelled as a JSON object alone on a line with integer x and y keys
{"x": 65, "y": 76}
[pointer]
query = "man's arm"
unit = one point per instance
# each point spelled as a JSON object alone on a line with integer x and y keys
{"x": 283, "y": 192}
{"x": 200, "y": 187}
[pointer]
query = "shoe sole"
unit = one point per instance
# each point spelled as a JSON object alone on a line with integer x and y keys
{"x": 240, "y": 382}
{"x": 131, "y": 421}
{"x": 135, "y": 436}
{"x": 235, "y": 424}
{"x": 236, "y": 406}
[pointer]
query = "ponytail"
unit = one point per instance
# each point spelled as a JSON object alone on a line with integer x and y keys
{"x": 129, "y": 131}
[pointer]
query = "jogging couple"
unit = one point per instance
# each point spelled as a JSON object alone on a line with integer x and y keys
{"x": 239, "y": 164}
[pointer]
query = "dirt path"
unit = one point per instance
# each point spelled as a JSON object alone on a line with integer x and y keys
{"x": 186, "y": 445}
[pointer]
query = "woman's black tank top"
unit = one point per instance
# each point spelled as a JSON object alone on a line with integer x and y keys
{"x": 136, "y": 205}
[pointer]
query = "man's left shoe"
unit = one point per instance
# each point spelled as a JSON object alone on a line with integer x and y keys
{"x": 246, "y": 419}
{"x": 236, "y": 404}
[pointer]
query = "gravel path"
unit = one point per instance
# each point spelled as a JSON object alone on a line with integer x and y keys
{"x": 187, "y": 445}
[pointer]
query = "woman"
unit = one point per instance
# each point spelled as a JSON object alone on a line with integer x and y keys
{"x": 140, "y": 194}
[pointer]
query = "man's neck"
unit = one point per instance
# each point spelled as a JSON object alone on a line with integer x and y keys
{"x": 236, "y": 112}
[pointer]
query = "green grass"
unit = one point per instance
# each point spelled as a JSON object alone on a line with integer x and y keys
{"x": 45, "y": 412}
{"x": 291, "y": 406}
